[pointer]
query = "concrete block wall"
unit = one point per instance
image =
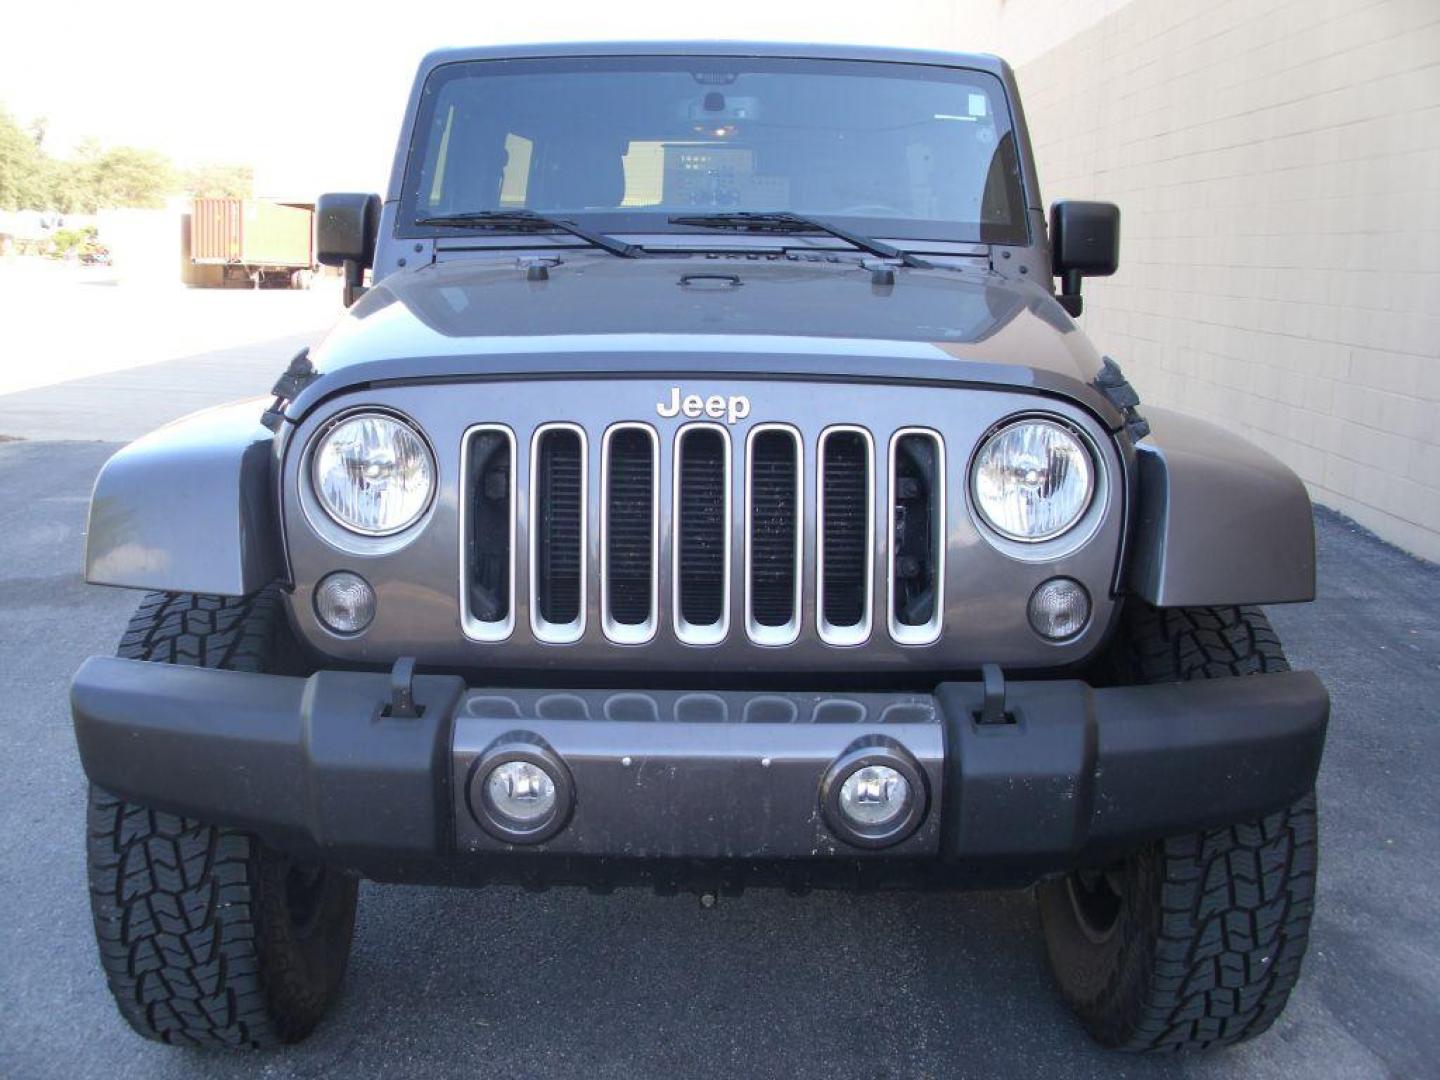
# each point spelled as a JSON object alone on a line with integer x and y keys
{"x": 1277, "y": 164}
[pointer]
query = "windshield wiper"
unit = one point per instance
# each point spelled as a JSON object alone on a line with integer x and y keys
{"x": 530, "y": 221}
{"x": 785, "y": 221}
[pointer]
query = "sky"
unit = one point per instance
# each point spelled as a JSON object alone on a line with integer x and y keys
{"x": 311, "y": 94}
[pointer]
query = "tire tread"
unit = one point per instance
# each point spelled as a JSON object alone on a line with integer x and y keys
{"x": 1235, "y": 908}
{"x": 1212, "y": 948}
{"x": 179, "y": 905}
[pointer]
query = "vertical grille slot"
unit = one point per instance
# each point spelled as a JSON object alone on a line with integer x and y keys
{"x": 488, "y": 526}
{"x": 702, "y": 534}
{"x": 629, "y": 529}
{"x": 557, "y": 533}
{"x": 772, "y": 535}
{"x": 916, "y": 557}
{"x": 845, "y": 570}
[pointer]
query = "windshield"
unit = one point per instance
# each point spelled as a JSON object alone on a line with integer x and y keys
{"x": 624, "y": 143}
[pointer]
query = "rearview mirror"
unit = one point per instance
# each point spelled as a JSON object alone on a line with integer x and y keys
{"x": 346, "y": 227}
{"x": 1084, "y": 242}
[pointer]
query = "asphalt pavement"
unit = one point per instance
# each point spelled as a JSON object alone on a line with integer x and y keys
{"x": 502, "y": 982}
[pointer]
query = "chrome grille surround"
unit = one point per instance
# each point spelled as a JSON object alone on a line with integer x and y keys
{"x": 687, "y": 632}
{"x": 859, "y": 632}
{"x": 473, "y": 627}
{"x": 618, "y": 632}
{"x": 927, "y": 632}
{"x": 786, "y": 633}
{"x": 549, "y": 632}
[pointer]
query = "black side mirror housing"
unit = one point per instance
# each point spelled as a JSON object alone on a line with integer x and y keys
{"x": 1084, "y": 242}
{"x": 347, "y": 224}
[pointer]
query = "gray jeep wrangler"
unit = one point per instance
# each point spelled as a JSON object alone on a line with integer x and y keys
{"x": 710, "y": 488}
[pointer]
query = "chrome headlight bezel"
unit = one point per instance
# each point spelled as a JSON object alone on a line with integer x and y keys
{"x": 333, "y": 519}
{"x": 1074, "y": 532}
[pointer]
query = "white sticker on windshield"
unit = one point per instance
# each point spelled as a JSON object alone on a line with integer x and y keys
{"x": 977, "y": 104}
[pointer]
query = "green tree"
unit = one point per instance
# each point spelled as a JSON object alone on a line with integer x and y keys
{"x": 22, "y": 168}
{"x": 95, "y": 178}
{"x": 67, "y": 187}
{"x": 220, "y": 182}
{"x": 127, "y": 176}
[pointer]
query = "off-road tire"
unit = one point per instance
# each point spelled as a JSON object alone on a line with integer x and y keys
{"x": 209, "y": 937}
{"x": 1158, "y": 645}
{"x": 1196, "y": 941}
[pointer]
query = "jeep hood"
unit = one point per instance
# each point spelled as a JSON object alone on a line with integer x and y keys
{"x": 597, "y": 316}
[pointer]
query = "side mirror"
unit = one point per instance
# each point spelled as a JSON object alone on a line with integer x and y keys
{"x": 1084, "y": 242}
{"x": 346, "y": 228}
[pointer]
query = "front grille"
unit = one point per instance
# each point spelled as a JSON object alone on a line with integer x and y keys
{"x": 846, "y": 524}
{"x": 772, "y": 532}
{"x": 666, "y": 531}
{"x": 702, "y": 533}
{"x": 628, "y": 582}
{"x": 916, "y": 557}
{"x": 558, "y": 515}
{"x": 489, "y": 466}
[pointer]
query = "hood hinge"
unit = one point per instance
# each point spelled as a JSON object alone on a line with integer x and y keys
{"x": 300, "y": 374}
{"x": 1116, "y": 389}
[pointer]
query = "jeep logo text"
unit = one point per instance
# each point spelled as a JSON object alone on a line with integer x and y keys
{"x": 735, "y": 407}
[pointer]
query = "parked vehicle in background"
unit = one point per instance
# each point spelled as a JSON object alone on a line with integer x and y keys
{"x": 264, "y": 243}
{"x": 712, "y": 488}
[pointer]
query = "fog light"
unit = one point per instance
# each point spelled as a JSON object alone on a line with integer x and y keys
{"x": 874, "y": 795}
{"x": 521, "y": 791}
{"x": 345, "y": 602}
{"x": 1059, "y": 609}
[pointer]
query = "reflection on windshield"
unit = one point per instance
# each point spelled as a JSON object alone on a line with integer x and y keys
{"x": 892, "y": 149}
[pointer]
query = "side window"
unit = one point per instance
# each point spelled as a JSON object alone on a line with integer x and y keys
{"x": 515, "y": 179}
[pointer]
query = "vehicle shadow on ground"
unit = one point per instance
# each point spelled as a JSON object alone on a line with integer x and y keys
{"x": 876, "y": 985}
{"x": 766, "y": 984}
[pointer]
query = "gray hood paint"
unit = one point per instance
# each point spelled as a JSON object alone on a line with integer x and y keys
{"x": 599, "y": 316}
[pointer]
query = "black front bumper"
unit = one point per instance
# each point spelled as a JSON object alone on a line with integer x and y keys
{"x": 669, "y": 788}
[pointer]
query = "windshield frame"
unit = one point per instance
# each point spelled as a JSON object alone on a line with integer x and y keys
{"x": 654, "y": 221}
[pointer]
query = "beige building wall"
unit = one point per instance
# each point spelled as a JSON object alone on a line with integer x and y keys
{"x": 1277, "y": 165}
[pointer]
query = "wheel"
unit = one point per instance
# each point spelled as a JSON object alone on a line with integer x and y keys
{"x": 1196, "y": 941}
{"x": 209, "y": 937}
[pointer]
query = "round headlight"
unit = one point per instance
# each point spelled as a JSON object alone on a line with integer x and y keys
{"x": 373, "y": 474}
{"x": 1032, "y": 480}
